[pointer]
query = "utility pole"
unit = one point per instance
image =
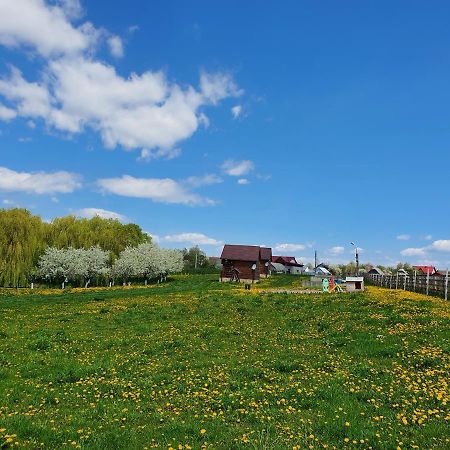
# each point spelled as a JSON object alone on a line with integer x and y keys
{"x": 196, "y": 257}
{"x": 315, "y": 259}
{"x": 356, "y": 258}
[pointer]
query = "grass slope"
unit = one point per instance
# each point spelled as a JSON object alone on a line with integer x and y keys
{"x": 199, "y": 364}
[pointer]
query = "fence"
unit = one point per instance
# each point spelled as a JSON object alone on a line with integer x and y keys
{"x": 436, "y": 285}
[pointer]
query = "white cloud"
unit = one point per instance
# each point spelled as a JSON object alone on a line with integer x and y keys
{"x": 115, "y": 46}
{"x": 403, "y": 237}
{"x": 103, "y": 213}
{"x": 72, "y": 8}
{"x": 237, "y": 168}
{"x": 217, "y": 86}
{"x": 236, "y": 111}
{"x": 289, "y": 247}
{"x": 38, "y": 182}
{"x": 337, "y": 250}
{"x": 205, "y": 180}
{"x": 243, "y": 181}
{"x": 7, "y": 114}
{"x": 442, "y": 245}
{"x": 413, "y": 251}
{"x": 145, "y": 112}
{"x": 33, "y": 23}
{"x": 428, "y": 237}
{"x": 163, "y": 190}
{"x": 192, "y": 238}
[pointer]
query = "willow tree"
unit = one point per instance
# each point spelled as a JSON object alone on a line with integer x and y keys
{"x": 21, "y": 242}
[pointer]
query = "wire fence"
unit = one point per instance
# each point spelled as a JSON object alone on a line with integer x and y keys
{"x": 435, "y": 285}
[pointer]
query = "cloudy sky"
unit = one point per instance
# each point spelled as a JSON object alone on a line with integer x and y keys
{"x": 299, "y": 125}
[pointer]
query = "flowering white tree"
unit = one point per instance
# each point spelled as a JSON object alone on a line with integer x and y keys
{"x": 147, "y": 261}
{"x": 72, "y": 263}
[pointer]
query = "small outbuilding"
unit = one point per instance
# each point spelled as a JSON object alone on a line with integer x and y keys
{"x": 354, "y": 284}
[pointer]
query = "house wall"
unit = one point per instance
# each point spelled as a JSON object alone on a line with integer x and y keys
{"x": 264, "y": 271}
{"x": 244, "y": 267}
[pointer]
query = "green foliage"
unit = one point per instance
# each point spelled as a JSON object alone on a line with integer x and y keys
{"x": 153, "y": 367}
{"x": 196, "y": 261}
{"x": 24, "y": 237}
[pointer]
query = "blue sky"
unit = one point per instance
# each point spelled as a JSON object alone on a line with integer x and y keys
{"x": 299, "y": 125}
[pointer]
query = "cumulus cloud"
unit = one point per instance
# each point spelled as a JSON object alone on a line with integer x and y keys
{"x": 163, "y": 190}
{"x": 39, "y": 182}
{"x": 413, "y": 251}
{"x": 403, "y": 237}
{"x": 145, "y": 112}
{"x": 7, "y": 114}
{"x": 192, "y": 238}
{"x": 337, "y": 250}
{"x": 103, "y": 213}
{"x": 289, "y": 247}
{"x": 237, "y": 168}
{"x": 115, "y": 46}
{"x": 243, "y": 181}
{"x": 441, "y": 245}
{"x": 236, "y": 111}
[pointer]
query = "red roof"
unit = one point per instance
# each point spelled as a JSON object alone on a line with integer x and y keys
{"x": 266, "y": 254}
{"x": 426, "y": 269}
{"x": 241, "y": 252}
{"x": 289, "y": 260}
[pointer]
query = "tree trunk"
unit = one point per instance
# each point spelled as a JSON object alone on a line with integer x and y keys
{"x": 88, "y": 282}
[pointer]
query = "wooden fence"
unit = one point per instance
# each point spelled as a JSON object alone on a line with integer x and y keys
{"x": 436, "y": 285}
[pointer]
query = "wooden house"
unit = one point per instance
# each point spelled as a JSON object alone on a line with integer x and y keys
{"x": 243, "y": 263}
{"x": 266, "y": 259}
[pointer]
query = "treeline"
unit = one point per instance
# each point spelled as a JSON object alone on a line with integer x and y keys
{"x": 25, "y": 237}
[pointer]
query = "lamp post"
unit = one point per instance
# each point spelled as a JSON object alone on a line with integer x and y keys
{"x": 356, "y": 257}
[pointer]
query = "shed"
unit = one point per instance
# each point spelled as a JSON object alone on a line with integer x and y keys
{"x": 375, "y": 271}
{"x": 266, "y": 258}
{"x": 354, "y": 284}
{"x": 241, "y": 263}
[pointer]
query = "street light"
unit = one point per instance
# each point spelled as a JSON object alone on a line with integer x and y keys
{"x": 356, "y": 257}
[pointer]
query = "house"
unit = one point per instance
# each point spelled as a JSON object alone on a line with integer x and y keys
{"x": 290, "y": 263}
{"x": 323, "y": 270}
{"x": 375, "y": 271}
{"x": 425, "y": 270}
{"x": 277, "y": 267}
{"x": 402, "y": 273}
{"x": 243, "y": 263}
{"x": 441, "y": 273}
{"x": 266, "y": 259}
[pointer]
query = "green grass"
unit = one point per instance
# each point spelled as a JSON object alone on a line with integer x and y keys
{"x": 154, "y": 367}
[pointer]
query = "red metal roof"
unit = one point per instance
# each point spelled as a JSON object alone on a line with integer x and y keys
{"x": 266, "y": 254}
{"x": 289, "y": 260}
{"x": 426, "y": 269}
{"x": 241, "y": 252}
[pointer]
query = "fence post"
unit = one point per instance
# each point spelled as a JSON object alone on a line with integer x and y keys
{"x": 428, "y": 281}
{"x": 396, "y": 281}
{"x": 415, "y": 280}
{"x": 390, "y": 281}
{"x": 404, "y": 284}
{"x": 446, "y": 285}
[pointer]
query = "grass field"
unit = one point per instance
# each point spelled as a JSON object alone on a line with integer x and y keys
{"x": 199, "y": 364}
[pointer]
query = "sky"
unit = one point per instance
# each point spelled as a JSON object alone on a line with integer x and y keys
{"x": 299, "y": 125}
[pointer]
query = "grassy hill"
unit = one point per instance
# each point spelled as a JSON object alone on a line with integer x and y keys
{"x": 199, "y": 364}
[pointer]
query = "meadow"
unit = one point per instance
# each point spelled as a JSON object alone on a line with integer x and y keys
{"x": 194, "y": 363}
